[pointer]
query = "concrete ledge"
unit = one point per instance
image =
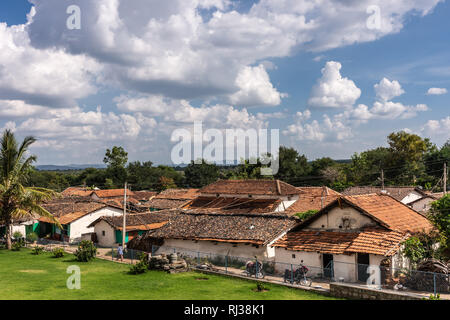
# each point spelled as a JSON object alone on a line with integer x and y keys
{"x": 357, "y": 292}
{"x": 324, "y": 292}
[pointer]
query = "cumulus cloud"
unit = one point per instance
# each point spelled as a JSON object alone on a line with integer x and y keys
{"x": 437, "y": 127}
{"x": 327, "y": 130}
{"x": 255, "y": 88}
{"x": 387, "y": 90}
{"x": 332, "y": 90}
{"x": 437, "y": 91}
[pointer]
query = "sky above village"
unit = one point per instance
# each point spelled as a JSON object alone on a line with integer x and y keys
{"x": 335, "y": 77}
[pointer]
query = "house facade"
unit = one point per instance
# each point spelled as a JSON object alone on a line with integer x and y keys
{"x": 350, "y": 234}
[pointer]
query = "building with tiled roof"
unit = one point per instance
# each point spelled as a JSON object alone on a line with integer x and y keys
{"x": 235, "y": 234}
{"x": 350, "y": 233}
{"x": 75, "y": 216}
{"x": 77, "y": 192}
{"x": 403, "y": 194}
{"x": 261, "y": 188}
{"x": 110, "y": 193}
{"x": 171, "y": 199}
{"x": 108, "y": 229}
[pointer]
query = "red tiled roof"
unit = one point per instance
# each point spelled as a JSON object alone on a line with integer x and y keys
{"x": 396, "y": 192}
{"x": 394, "y": 214}
{"x": 76, "y": 192}
{"x": 372, "y": 240}
{"x": 234, "y": 205}
{"x": 253, "y": 187}
{"x": 178, "y": 194}
{"x": 112, "y": 193}
{"x": 67, "y": 212}
{"x": 312, "y": 198}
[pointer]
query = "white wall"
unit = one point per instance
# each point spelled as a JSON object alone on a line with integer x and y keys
{"x": 107, "y": 240}
{"x": 80, "y": 226}
{"x": 423, "y": 205}
{"x": 412, "y": 196}
{"x": 333, "y": 219}
{"x": 190, "y": 247}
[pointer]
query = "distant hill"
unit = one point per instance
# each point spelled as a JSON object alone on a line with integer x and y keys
{"x": 51, "y": 167}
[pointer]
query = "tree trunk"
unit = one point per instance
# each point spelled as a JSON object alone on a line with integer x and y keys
{"x": 8, "y": 233}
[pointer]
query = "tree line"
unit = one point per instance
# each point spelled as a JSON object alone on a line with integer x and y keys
{"x": 407, "y": 160}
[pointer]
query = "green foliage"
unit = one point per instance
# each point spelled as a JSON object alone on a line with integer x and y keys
{"x": 291, "y": 164}
{"x": 138, "y": 268}
{"x": 58, "y": 252}
{"x": 32, "y": 237}
{"x": 261, "y": 286}
{"x": 434, "y": 297}
{"x": 116, "y": 157}
{"x": 414, "y": 250}
{"x": 37, "y": 250}
{"x": 307, "y": 214}
{"x": 86, "y": 251}
{"x": 16, "y": 246}
{"x": 440, "y": 217}
{"x": 200, "y": 174}
{"x": 17, "y": 235}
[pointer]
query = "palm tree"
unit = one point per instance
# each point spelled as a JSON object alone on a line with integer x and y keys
{"x": 16, "y": 200}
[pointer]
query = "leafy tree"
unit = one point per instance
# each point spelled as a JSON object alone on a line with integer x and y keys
{"x": 17, "y": 200}
{"x": 201, "y": 174}
{"x": 440, "y": 216}
{"x": 318, "y": 165}
{"x": 291, "y": 164}
{"x": 166, "y": 183}
{"x": 116, "y": 157}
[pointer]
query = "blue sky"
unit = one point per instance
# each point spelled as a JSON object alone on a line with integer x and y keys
{"x": 285, "y": 78}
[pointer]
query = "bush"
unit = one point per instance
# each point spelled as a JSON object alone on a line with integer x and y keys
{"x": 17, "y": 235}
{"x": 32, "y": 237}
{"x": 16, "y": 246}
{"x": 260, "y": 286}
{"x": 86, "y": 251}
{"x": 37, "y": 250}
{"x": 58, "y": 252}
{"x": 138, "y": 268}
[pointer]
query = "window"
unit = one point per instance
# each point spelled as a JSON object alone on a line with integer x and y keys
{"x": 103, "y": 233}
{"x": 293, "y": 256}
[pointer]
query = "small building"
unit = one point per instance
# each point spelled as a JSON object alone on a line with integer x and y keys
{"x": 110, "y": 194}
{"x": 402, "y": 194}
{"x": 77, "y": 192}
{"x": 109, "y": 229}
{"x": 350, "y": 234}
{"x": 75, "y": 217}
{"x": 225, "y": 234}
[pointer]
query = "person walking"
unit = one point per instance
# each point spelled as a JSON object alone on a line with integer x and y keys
{"x": 120, "y": 253}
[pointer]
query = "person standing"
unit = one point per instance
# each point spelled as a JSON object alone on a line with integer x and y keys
{"x": 120, "y": 252}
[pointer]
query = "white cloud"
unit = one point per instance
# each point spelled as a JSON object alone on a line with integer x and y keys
{"x": 387, "y": 90}
{"x": 437, "y": 127}
{"x": 437, "y": 91}
{"x": 332, "y": 90}
{"x": 255, "y": 88}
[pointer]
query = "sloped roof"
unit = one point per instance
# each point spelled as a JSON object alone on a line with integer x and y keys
{"x": 371, "y": 240}
{"x": 178, "y": 194}
{"x": 234, "y": 205}
{"x": 312, "y": 198}
{"x": 69, "y": 211}
{"x": 253, "y": 187}
{"x": 396, "y": 215}
{"x": 162, "y": 204}
{"x": 248, "y": 228}
{"x": 142, "y": 221}
{"x": 76, "y": 192}
{"x": 109, "y": 193}
{"x": 144, "y": 195}
{"x": 396, "y": 192}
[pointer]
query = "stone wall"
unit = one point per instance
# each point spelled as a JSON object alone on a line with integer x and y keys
{"x": 357, "y": 292}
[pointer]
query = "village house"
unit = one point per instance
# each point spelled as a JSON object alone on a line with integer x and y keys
{"x": 242, "y": 235}
{"x": 108, "y": 229}
{"x": 75, "y": 216}
{"x": 402, "y": 194}
{"x": 349, "y": 234}
{"x": 24, "y": 225}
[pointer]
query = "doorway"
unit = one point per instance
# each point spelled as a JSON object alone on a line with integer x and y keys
{"x": 327, "y": 264}
{"x": 363, "y": 264}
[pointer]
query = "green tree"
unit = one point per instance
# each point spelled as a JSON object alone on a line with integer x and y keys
{"x": 291, "y": 164}
{"x": 116, "y": 159}
{"x": 440, "y": 216}
{"x": 201, "y": 174}
{"x": 17, "y": 200}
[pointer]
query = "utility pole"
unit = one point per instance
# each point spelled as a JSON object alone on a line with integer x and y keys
{"x": 445, "y": 178}
{"x": 382, "y": 180}
{"x": 124, "y": 225}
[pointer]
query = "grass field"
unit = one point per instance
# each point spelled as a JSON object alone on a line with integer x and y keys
{"x": 27, "y": 276}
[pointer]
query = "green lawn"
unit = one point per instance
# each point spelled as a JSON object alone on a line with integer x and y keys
{"x": 27, "y": 276}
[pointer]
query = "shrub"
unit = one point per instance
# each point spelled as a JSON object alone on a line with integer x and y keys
{"x": 32, "y": 237}
{"x": 17, "y": 235}
{"x": 16, "y": 246}
{"x": 58, "y": 252}
{"x": 86, "y": 251}
{"x": 37, "y": 250}
{"x": 260, "y": 286}
{"x": 138, "y": 268}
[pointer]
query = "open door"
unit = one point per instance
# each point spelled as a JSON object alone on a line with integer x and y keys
{"x": 363, "y": 264}
{"x": 327, "y": 264}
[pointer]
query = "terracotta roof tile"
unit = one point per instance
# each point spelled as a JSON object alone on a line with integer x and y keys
{"x": 77, "y": 192}
{"x": 310, "y": 198}
{"x": 110, "y": 193}
{"x": 231, "y": 204}
{"x": 67, "y": 212}
{"x": 396, "y": 192}
{"x": 372, "y": 241}
{"x": 253, "y": 187}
